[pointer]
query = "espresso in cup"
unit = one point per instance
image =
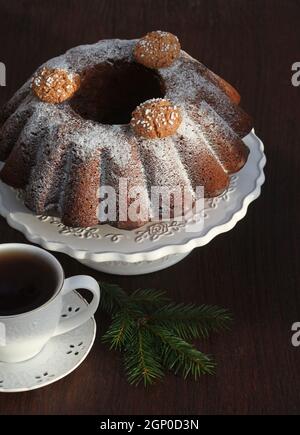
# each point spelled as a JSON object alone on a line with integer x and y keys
{"x": 27, "y": 281}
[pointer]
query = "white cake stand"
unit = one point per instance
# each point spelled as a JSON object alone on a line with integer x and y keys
{"x": 152, "y": 247}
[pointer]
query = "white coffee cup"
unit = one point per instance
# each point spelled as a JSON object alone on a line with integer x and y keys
{"x": 22, "y": 336}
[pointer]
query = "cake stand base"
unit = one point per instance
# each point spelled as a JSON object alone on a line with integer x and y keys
{"x": 138, "y": 268}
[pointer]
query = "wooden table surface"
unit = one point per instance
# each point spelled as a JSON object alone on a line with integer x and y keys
{"x": 254, "y": 269}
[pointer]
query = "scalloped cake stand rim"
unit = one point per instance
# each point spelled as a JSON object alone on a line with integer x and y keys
{"x": 154, "y": 252}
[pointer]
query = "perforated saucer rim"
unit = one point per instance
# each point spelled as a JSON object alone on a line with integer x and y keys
{"x": 62, "y": 354}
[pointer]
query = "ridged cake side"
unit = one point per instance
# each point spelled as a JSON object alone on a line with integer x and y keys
{"x": 61, "y": 159}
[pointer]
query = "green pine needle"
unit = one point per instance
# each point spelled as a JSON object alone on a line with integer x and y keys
{"x": 112, "y": 297}
{"x": 142, "y": 364}
{"x": 153, "y": 333}
{"x": 180, "y": 356}
{"x": 120, "y": 330}
{"x": 149, "y": 299}
{"x": 190, "y": 321}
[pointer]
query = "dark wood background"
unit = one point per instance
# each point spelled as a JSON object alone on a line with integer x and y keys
{"x": 254, "y": 269}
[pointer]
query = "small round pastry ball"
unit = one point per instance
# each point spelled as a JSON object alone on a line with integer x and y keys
{"x": 156, "y": 118}
{"x": 55, "y": 85}
{"x": 157, "y": 49}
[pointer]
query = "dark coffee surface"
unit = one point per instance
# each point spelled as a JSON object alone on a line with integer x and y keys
{"x": 26, "y": 282}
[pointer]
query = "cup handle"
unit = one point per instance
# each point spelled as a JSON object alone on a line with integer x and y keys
{"x": 73, "y": 283}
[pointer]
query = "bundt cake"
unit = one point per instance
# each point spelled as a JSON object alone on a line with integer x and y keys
{"x": 142, "y": 110}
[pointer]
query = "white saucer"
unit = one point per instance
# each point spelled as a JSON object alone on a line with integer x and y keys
{"x": 60, "y": 356}
{"x": 152, "y": 247}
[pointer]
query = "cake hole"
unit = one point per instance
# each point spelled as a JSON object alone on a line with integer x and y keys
{"x": 110, "y": 91}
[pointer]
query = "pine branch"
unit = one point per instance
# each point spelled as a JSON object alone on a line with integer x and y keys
{"x": 120, "y": 331}
{"x": 149, "y": 299}
{"x": 142, "y": 364}
{"x": 112, "y": 298}
{"x": 180, "y": 356}
{"x": 190, "y": 321}
{"x": 153, "y": 333}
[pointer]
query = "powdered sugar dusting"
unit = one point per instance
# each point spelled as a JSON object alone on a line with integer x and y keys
{"x": 156, "y": 114}
{"x": 189, "y": 87}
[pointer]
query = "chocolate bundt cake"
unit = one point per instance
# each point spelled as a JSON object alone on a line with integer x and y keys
{"x": 142, "y": 110}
